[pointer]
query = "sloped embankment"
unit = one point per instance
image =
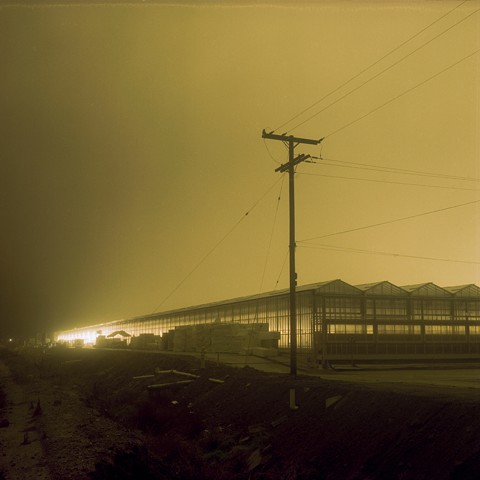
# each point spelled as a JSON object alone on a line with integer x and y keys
{"x": 242, "y": 427}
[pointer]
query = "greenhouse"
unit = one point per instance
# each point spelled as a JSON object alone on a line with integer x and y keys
{"x": 335, "y": 320}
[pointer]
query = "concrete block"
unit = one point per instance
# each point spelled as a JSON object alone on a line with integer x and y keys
{"x": 264, "y": 352}
{"x": 332, "y": 401}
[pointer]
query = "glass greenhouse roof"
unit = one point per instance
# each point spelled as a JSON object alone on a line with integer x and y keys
{"x": 427, "y": 289}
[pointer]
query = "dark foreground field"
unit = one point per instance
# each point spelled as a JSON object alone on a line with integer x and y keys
{"x": 81, "y": 414}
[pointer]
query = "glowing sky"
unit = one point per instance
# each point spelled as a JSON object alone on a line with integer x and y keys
{"x": 131, "y": 150}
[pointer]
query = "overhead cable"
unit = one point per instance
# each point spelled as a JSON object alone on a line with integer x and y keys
{"x": 374, "y": 252}
{"x": 384, "y": 70}
{"x": 389, "y": 181}
{"x": 270, "y": 153}
{"x": 402, "y": 94}
{"x": 431, "y": 212}
{"x": 229, "y": 232}
{"x": 272, "y": 231}
{"x": 379, "y": 168}
{"x": 370, "y": 66}
{"x": 281, "y": 270}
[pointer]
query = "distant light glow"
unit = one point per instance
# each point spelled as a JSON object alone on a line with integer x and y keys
{"x": 89, "y": 336}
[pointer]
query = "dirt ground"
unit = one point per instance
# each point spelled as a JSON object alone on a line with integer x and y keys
{"x": 85, "y": 414}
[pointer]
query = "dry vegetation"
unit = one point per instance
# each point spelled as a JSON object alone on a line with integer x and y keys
{"x": 98, "y": 422}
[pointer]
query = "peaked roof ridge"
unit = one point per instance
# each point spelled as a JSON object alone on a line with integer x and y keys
{"x": 413, "y": 289}
{"x": 460, "y": 287}
{"x": 471, "y": 289}
{"x": 371, "y": 284}
{"x": 322, "y": 283}
{"x": 365, "y": 287}
{"x": 414, "y": 286}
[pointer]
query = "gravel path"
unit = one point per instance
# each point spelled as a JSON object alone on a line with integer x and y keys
{"x": 52, "y": 434}
{"x": 22, "y": 454}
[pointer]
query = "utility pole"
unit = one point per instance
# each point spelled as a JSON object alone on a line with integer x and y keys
{"x": 292, "y": 142}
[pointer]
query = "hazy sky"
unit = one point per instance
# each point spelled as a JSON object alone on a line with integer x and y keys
{"x": 131, "y": 150}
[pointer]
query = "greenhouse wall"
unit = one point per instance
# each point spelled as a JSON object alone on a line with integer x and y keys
{"x": 335, "y": 320}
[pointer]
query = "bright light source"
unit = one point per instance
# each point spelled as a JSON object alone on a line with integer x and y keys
{"x": 10, "y": 339}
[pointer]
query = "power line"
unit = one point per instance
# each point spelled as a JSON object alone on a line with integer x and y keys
{"x": 270, "y": 153}
{"x": 370, "y": 66}
{"x": 240, "y": 220}
{"x": 384, "y": 70}
{"x": 374, "y": 252}
{"x": 388, "y": 181}
{"x": 402, "y": 94}
{"x": 391, "y": 221}
{"x": 271, "y": 234}
{"x": 379, "y": 168}
{"x": 281, "y": 270}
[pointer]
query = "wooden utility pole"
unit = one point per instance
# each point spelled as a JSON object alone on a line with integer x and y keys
{"x": 292, "y": 142}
